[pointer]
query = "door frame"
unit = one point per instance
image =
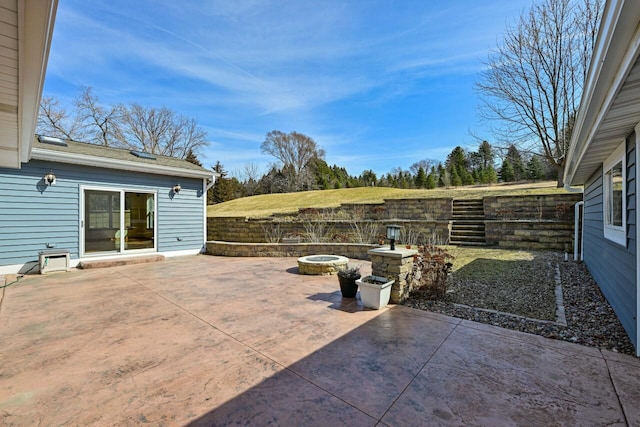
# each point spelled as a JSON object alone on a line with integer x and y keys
{"x": 121, "y": 191}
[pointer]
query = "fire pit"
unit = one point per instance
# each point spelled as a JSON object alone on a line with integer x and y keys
{"x": 321, "y": 265}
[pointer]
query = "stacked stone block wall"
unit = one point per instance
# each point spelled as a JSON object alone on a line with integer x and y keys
{"x": 540, "y": 222}
{"x": 236, "y": 249}
{"x": 554, "y": 235}
{"x": 237, "y": 229}
{"x": 555, "y": 207}
{"x": 394, "y": 265}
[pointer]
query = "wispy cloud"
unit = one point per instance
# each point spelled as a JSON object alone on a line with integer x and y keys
{"x": 353, "y": 75}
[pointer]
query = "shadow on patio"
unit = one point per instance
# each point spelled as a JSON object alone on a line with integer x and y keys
{"x": 226, "y": 341}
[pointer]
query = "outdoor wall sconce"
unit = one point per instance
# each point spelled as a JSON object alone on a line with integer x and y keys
{"x": 393, "y": 234}
{"x": 50, "y": 178}
{"x": 177, "y": 188}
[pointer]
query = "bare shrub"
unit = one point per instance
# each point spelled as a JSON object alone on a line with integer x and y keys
{"x": 364, "y": 231}
{"x": 430, "y": 270}
{"x": 434, "y": 239}
{"x": 410, "y": 236}
{"x": 317, "y": 230}
{"x": 272, "y": 233}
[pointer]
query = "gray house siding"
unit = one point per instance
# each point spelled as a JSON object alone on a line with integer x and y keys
{"x": 618, "y": 284}
{"x": 33, "y": 214}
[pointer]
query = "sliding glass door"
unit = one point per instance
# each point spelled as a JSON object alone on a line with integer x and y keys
{"x": 118, "y": 221}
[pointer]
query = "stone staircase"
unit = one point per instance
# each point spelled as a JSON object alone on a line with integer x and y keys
{"x": 468, "y": 223}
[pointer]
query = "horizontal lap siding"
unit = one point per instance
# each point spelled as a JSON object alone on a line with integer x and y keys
{"x": 181, "y": 219}
{"x": 611, "y": 265}
{"x": 33, "y": 214}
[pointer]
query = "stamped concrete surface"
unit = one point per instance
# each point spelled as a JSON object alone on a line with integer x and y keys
{"x": 247, "y": 341}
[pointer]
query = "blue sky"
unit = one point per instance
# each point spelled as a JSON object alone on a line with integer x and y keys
{"x": 377, "y": 83}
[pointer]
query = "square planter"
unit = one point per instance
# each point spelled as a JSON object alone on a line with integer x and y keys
{"x": 374, "y": 295}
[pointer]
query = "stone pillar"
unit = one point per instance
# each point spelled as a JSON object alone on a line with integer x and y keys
{"x": 394, "y": 265}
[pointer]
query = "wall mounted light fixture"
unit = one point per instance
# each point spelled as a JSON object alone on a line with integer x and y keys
{"x": 177, "y": 188}
{"x": 50, "y": 178}
{"x": 393, "y": 234}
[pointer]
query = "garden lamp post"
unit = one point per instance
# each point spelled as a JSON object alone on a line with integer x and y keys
{"x": 393, "y": 234}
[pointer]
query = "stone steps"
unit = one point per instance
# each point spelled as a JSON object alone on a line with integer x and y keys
{"x": 468, "y": 223}
{"x": 114, "y": 262}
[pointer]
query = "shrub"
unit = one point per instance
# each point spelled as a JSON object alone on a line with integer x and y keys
{"x": 430, "y": 270}
{"x": 272, "y": 233}
{"x": 350, "y": 272}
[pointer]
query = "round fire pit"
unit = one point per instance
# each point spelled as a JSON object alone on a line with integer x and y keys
{"x": 321, "y": 265}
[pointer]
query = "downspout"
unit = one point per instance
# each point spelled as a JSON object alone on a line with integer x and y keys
{"x": 576, "y": 225}
{"x": 578, "y": 241}
{"x": 206, "y": 186}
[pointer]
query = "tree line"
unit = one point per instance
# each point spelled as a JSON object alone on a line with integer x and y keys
{"x": 300, "y": 166}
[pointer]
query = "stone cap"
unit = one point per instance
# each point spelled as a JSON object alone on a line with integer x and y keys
{"x": 397, "y": 253}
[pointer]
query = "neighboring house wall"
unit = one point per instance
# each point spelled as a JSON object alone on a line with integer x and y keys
{"x": 600, "y": 254}
{"x": 33, "y": 214}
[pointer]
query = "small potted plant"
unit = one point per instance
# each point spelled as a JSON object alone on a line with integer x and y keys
{"x": 375, "y": 291}
{"x": 347, "y": 277}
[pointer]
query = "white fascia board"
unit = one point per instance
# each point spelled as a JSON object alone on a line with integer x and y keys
{"x": 36, "y": 20}
{"x": 596, "y": 99}
{"x": 102, "y": 162}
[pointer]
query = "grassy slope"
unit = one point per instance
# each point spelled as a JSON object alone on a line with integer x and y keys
{"x": 267, "y": 204}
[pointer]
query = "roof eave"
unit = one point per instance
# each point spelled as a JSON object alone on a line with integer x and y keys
{"x": 37, "y": 19}
{"x": 103, "y": 162}
{"x": 607, "y": 72}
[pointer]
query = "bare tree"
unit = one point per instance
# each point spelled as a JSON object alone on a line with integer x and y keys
{"x": 295, "y": 151}
{"x": 250, "y": 177}
{"x": 150, "y": 129}
{"x": 56, "y": 121}
{"x": 425, "y": 164}
{"x": 102, "y": 124}
{"x": 160, "y": 131}
{"x": 533, "y": 80}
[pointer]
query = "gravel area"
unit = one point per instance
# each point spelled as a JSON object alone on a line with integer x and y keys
{"x": 590, "y": 319}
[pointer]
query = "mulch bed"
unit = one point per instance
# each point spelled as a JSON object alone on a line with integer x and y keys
{"x": 526, "y": 291}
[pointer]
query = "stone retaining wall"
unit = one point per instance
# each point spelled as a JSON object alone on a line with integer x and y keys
{"x": 407, "y": 209}
{"x": 239, "y": 229}
{"x": 235, "y": 249}
{"x": 536, "y": 222}
{"x": 557, "y": 207}
{"x": 554, "y": 235}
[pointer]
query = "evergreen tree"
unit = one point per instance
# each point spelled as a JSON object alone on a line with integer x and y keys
{"x": 455, "y": 178}
{"x": 444, "y": 179}
{"x": 421, "y": 178}
{"x": 457, "y": 159}
{"x": 431, "y": 180}
{"x": 191, "y": 157}
{"x": 485, "y": 152}
{"x": 368, "y": 178}
{"x": 489, "y": 175}
{"x": 515, "y": 158}
{"x": 535, "y": 169}
{"x": 222, "y": 189}
{"x": 466, "y": 177}
{"x": 506, "y": 172}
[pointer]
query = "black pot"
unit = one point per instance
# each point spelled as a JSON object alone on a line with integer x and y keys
{"x": 348, "y": 287}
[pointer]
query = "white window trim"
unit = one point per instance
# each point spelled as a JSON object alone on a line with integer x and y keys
{"x": 614, "y": 233}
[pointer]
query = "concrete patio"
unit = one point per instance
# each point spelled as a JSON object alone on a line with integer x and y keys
{"x": 247, "y": 341}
